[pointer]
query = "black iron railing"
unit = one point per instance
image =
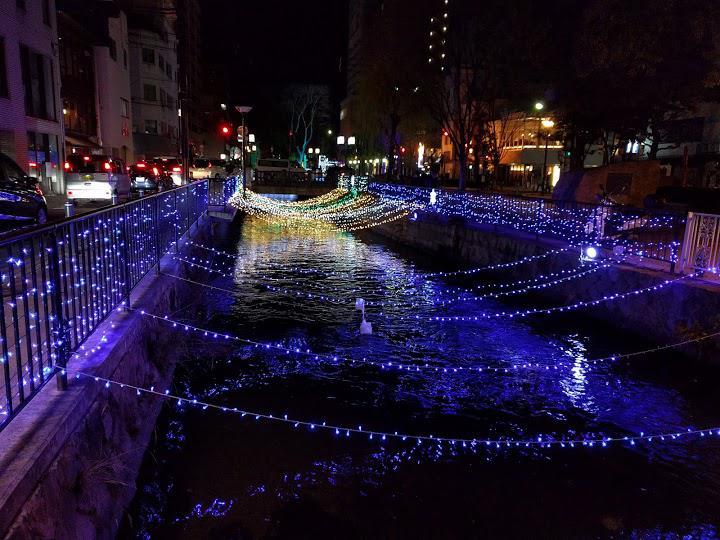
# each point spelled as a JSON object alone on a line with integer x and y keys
{"x": 220, "y": 190}
{"x": 59, "y": 282}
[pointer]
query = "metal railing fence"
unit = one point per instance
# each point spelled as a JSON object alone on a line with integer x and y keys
{"x": 60, "y": 281}
{"x": 701, "y": 245}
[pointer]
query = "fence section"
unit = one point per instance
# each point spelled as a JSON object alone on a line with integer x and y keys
{"x": 59, "y": 282}
{"x": 701, "y": 245}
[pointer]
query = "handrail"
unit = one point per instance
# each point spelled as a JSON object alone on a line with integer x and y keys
{"x": 29, "y": 231}
{"x": 60, "y": 281}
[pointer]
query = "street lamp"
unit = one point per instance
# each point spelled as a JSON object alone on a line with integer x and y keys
{"x": 548, "y": 125}
{"x": 329, "y": 132}
{"x": 243, "y": 110}
{"x": 539, "y": 105}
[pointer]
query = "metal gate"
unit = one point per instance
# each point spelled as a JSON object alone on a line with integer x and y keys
{"x": 701, "y": 246}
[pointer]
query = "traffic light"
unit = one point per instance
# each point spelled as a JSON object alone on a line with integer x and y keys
{"x": 225, "y": 130}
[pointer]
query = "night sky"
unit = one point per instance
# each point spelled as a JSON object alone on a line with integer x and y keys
{"x": 256, "y": 43}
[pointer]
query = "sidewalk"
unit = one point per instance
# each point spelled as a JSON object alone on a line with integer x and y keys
{"x": 56, "y": 207}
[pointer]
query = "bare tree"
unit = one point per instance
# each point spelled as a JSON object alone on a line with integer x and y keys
{"x": 500, "y": 128}
{"x": 305, "y": 105}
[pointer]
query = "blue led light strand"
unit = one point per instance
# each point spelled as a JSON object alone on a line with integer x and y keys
{"x": 541, "y": 311}
{"x": 540, "y": 441}
{"x": 335, "y": 359}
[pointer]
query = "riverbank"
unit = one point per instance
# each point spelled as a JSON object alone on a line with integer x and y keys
{"x": 70, "y": 459}
{"x": 683, "y": 310}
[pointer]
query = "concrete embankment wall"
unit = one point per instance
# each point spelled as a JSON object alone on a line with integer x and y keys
{"x": 683, "y": 310}
{"x": 69, "y": 460}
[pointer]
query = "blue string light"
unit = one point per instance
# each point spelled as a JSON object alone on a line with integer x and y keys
{"x": 512, "y": 365}
{"x": 474, "y": 443}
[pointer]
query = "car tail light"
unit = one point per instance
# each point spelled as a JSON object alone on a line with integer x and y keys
{"x": 86, "y": 158}
{"x": 107, "y": 166}
{"x": 155, "y": 171}
{"x": 67, "y": 166}
{"x": 140, "y": 165}
{"x": 177, "y": 169}
{"x": 32, "y": 164}
{"x": 69, "y": 193}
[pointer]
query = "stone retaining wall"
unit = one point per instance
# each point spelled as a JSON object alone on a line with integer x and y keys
{"x": 680, "y": 311}
{"x": 70, "y": 459}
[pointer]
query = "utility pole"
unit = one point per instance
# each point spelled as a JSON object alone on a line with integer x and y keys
{"x": 243, "y": 110}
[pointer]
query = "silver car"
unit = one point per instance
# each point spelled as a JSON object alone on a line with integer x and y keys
{"x": 95, "y": 178}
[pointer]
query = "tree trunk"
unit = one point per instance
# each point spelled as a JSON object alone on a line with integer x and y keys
{"x": 655, "y": 145}
{"x": 462, "y": 159}
{"x": 391, "y": 162}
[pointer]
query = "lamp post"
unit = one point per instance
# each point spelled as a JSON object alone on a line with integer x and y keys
{"x": 243, "y": 111}
{"x": 547, "y": 124}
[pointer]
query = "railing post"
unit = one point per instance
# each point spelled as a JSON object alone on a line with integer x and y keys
{"x": 125, "y": 254}
{"x": 62, "y": 328}
{"x": 187, "y": 208}
{"x": 177, "y": 220}
{"x": 687, "y": 248}
{"x": 156, "y": 209}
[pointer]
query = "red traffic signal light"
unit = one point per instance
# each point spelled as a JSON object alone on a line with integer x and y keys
{"x": 225, "y": 130}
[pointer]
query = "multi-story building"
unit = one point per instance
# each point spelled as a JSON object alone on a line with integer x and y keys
{"x": 154, "y": 87}
{"x": 105, "y": 26}
{"x": 31, "y": 130}
{"x": 112, "y": 66}
{"x": 190, "y": 70}
{"x": 77, "y": 73}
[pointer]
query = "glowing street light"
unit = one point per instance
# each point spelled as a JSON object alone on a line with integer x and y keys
{"x": 539, "y": 105}
{"x": 548, "y": 124}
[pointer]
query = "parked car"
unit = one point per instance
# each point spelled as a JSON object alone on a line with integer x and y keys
{"x": 213, "y": 168}
{"x": 95, "y": 178}
{"x": 273, "y": 170}
{"x": 148, "y": 177}
{"x": 21, "y": 198}
{"x": 171, "y": 166}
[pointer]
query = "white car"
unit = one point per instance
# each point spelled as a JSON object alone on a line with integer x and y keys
{"x": 213, "y": 168}
{"x": 95, "y": 178}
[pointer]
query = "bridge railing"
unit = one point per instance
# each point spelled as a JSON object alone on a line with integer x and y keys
{"x": 287, "y": 178}
{"x": 701, "y": 245}
{"x": 649, "y": 234}
{"x": 221, "y": 189}
{"x": 58, "y": 282}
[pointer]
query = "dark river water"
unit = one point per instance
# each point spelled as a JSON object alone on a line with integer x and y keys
{"x": 210, "y": 474}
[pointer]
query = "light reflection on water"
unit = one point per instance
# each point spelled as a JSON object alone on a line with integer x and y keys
{"x": 243, "y": 479}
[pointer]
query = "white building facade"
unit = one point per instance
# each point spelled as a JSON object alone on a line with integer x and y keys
{"x": 31, "y": 128}
{"x": 154, "y": 88}
{"x": 112, "y": 71}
